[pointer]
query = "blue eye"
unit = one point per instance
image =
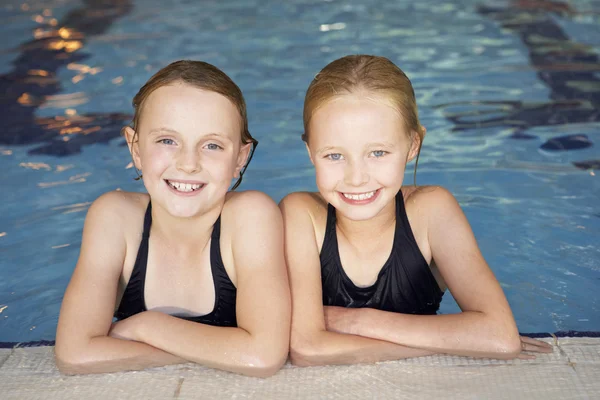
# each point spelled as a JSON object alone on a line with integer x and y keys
{"x": 213, "y": 146}
{"x": 334, "y": 156}
{"x": 167, "y": 141}
{"x": 379, "y": 153}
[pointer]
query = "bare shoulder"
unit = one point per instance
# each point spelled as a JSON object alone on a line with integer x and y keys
{"x": 250, "y": 204}
{"x": 304, "y": 202}
{"x": 251, "y": 234}
{"x": 431, "y": 203}
{"x": 119, "y": 206}
{"x": 436, "y": 197}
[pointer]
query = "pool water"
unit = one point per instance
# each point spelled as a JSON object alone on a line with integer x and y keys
{"x": 509, "y": 93}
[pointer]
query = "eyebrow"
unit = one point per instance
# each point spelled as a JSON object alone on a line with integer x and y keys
{"x": 378, "y": 144}
{"x": 169, "y": 130}
{"x": 381, "y": 144}
{"x": 324, "y": 149}
{"x": 162, "y": 130}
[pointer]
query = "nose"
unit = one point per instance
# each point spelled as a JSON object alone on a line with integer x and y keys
{"x": 355, "y": 173}
{"x": 188, "y": 161}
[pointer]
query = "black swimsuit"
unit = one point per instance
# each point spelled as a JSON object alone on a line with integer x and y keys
{"x": 223, "y": 313}
{"x": 404, "y": 285}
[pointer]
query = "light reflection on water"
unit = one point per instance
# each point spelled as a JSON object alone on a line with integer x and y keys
{"x": 491, "y": 91}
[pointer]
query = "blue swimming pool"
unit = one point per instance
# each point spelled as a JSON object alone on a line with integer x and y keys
{"x": 509, "y": 93}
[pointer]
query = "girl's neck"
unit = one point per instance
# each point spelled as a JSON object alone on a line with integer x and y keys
{"x": 184, "y": 232}
{"x": 368, "y": 230}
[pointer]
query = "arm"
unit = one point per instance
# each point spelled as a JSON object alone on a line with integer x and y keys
{"x": 82, "y": 341}
{"x": 259, "y": 345}
{"x": 484, "y": 328}
{"x": 311, "y": 343}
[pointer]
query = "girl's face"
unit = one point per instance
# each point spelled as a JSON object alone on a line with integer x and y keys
{"x": 359, "y": 147}
{"x": 188, "y": 148}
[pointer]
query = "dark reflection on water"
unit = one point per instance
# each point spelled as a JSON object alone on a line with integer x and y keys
{"x": 592, "y": 164}
{"x": 568, "y": 68}
{"x": 79, "y": 130}
{"x": 569, "y": 142}
{"x": 33, "y": 80}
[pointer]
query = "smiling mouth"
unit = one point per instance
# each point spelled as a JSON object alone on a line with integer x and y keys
{"x": 185, "y": 187}
{"x": 359, "y": 196}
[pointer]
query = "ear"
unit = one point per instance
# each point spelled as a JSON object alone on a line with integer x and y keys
{"x": 309, "y": 154}
{"x": 134, "y": 145}
{"x": 416, "y": 143}
{"x": 242, "y": 158}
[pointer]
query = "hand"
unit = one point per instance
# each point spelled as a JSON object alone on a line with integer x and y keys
{"x": 534, "y": 346}
{"x": 340, "y": 319}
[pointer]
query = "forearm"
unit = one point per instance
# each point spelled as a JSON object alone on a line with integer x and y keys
{"x": 106, "y": 354}
{"x": 226, "y": 348}
{"x": 467, "y": 333}
{"x": 332, "y": 348}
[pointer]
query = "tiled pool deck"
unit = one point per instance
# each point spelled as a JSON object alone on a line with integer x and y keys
{"x": 572, "y": 371}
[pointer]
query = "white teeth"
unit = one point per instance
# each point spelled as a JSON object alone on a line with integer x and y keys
{"x": 360, "y": 196}
{"x": 184, "y": 187}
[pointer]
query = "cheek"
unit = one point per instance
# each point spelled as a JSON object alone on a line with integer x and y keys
{"x": 156, "y": 157}
{"x": 328, "y": 175}
{"x": 220, "y": 165}
{"x": 391, "y": 172}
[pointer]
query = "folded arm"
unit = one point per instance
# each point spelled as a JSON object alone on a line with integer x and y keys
{"x": 83, "y": 344}
{"x": 259, "y": 345}
{"x": 311, "y": 342}
{"x": 484, "y": 328}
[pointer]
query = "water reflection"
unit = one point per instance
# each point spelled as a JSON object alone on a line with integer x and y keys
{"x": 32, "y": 83}
{"x": 79, "y": 178}
{"x": 72, "y": 208}
{"x": 569, "y": 69}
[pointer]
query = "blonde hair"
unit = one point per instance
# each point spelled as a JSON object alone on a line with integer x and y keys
{"x": 365, "y": 74}
{"x": 203, "y": 76}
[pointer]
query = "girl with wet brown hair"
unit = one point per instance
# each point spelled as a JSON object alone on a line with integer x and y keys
{"x": 189, "y": 272}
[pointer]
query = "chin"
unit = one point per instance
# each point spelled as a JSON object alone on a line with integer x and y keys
{"x": 361, "y": 212}
{"x": 180, "y": 209}
{"x": 357, "y": 215}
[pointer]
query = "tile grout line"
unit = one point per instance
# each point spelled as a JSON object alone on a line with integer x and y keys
{"x": 562, "y": 352}
{"x": 572, "y": 365}
{"x": 178, "y": 388}
{"x": 12, "y": 350}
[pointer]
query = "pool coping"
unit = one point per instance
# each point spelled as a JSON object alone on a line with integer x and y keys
{"x": 570, "y": 372}
{"x": 558, "y": 334}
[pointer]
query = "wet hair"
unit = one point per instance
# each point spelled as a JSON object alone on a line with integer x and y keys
{"x": 365, "y": 74}
{"x": 203, "y": 76}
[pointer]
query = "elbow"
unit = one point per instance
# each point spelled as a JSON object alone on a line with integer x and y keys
{"x": 73, "y": 359}
{"x": 300, "y": 356}
{"x": 70, "y": 362}
{"x": 508, "y": 347}
{"x": 298, "y": 359}
{"x": 266, "y": 364}
{"x": 505, "y": 344}
{"x": 266, "y": 358}
{"x": 303, "y": 353}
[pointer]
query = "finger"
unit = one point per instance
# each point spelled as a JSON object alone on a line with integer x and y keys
{"x": 535, "y": 342}
{"x": 539, "y": 348}
{"x": 527, "y": 339}
{"x": 535, "y": 349}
